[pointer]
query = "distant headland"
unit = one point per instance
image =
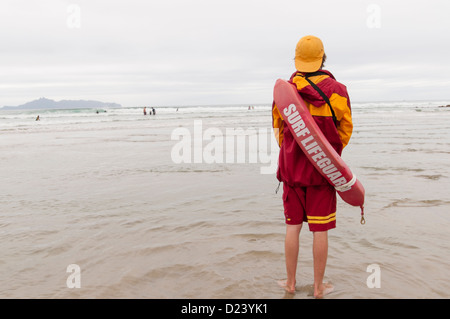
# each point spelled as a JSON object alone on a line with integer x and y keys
{"x": 44, "y": 103}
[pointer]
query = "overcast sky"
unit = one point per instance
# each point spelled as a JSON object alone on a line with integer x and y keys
{"x": 191, "y": 52}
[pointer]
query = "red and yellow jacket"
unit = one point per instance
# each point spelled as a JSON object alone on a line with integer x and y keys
{"x": 294, "y": 168}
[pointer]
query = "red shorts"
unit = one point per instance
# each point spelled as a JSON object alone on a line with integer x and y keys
{"x": 313, "y": 204}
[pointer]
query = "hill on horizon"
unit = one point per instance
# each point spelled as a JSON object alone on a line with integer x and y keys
{"x": 44, "y": 103}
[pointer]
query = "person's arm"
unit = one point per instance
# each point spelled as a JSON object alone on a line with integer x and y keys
{"x": 341, "y": 106}
{"x": 277, "y": 124}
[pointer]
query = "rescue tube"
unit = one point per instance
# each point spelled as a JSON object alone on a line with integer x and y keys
{"x": 315, "y": 145}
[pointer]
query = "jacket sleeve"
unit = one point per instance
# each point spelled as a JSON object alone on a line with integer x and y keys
{"x": 342, "y": 108}
{"x": 277, "y": 124}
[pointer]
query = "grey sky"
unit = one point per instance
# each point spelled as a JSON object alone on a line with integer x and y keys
{"x": 217, "y": 52}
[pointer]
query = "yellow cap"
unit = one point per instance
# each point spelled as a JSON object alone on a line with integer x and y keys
{"x": 309, "y": 54}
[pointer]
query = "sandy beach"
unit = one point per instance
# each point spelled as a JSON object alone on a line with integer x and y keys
{"x": 104, "y": 193}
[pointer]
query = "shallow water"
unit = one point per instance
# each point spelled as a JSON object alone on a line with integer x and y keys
{"x": 102, "y": 191}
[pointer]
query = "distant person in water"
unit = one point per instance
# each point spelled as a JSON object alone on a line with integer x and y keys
{"x": 145, "y": 111}
{"x": 153, "y": 110}
{"x": 38, "y": 118}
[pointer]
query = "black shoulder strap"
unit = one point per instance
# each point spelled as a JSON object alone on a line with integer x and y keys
{"x": 323, "y": 95}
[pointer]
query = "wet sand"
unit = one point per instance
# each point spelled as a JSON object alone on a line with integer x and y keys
{"x": 110, "y": 199}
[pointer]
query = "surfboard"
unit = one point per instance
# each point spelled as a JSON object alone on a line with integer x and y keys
{"x": 315, "y": 145}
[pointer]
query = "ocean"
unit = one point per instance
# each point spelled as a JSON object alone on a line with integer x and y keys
{"x": 183, "y": 204}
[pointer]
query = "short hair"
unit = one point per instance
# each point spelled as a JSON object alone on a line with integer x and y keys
{"x": 323, "y": 60}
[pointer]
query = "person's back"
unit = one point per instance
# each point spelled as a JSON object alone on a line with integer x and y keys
{"x": 307, "y": 196}
{"x": 294, "y": 167}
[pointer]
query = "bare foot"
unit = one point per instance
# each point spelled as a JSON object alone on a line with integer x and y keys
{"x": 323, "y": 290}
{"x": 289, "y": 288}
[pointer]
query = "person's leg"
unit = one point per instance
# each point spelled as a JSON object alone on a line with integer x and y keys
{"x": 291, "y": 248}
{"x": 320, "y": 255}
{"x": 293, "y": 201}
{"x": 321, "y": 208}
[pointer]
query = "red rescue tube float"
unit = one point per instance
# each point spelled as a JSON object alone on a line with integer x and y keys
{"x": 315, "y": 145}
